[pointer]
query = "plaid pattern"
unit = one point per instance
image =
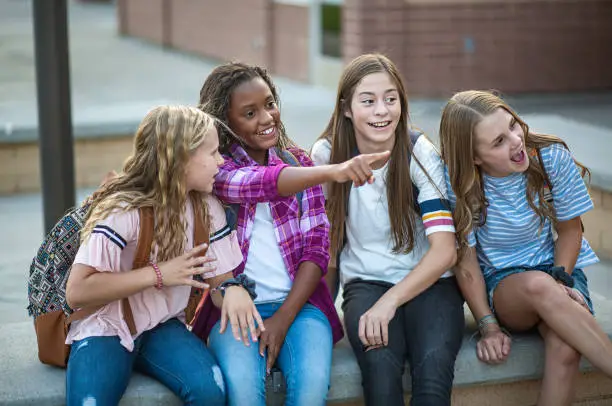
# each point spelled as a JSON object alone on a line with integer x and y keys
{"x": 306, "y": 238}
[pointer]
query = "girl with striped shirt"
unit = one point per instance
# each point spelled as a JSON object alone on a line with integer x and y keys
{"x": 518, "y": 197}
{"x": 395, "y": 241}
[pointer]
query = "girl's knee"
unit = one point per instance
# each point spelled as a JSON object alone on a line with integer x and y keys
{"x": 206, "y": 390}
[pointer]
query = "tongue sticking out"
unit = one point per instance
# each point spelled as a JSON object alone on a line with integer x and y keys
{"x": 518, "y": 157}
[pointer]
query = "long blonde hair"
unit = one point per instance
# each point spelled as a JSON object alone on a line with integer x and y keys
{"x": 154, "y": 176}
{"x": 341, "y": 135}
{"x": 459, "y": 118}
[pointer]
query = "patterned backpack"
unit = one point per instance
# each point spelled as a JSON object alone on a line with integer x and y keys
{"x": 49, "y": 273}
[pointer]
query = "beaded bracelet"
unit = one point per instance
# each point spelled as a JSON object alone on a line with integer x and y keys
{"x": 485, "y": 321}
{"x": 159, "y": 283}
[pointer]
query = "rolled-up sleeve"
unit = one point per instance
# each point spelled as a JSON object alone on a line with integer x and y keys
{"x": 253, "y": 184}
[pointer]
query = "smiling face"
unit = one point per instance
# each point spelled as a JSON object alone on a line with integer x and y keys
{"x": 375, "y": 111}
{"x": 254, "y": 117}
{"x": 499, "y": 144}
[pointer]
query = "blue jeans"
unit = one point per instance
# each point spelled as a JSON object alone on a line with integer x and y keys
{"x": 426, "y": 331}
{"x": 99, "y": 368}
{"x": 305, "y": 359}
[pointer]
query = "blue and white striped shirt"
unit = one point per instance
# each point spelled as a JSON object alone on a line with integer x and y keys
{"x": 511, "y": 235}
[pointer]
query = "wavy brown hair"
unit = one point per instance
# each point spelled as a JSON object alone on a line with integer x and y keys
{"x": 154, "y": 176}
{"x": 341, "y": 135}
{"x": 459, "y": 118}
{"x": 216, "y": 94}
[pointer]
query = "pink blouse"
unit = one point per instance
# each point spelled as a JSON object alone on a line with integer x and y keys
{"x": 112, "y": 248}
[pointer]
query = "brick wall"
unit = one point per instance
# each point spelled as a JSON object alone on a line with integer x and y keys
{"x": 223, "y": 29}
{"x": 147, "y": 19}
{"x": 598, "y": 223}
{"x": 261, "y": 32}
{"x": 290, "y": 41}
{"x": 443, "y": 46}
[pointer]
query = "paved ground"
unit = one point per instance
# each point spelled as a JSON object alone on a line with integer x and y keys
{"x": 115, "y": 80}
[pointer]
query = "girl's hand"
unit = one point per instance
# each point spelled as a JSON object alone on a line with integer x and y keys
{"x": 180, "y": 270}
{"x": 576, "y": 296}
{"x": 271, "y": 341}
{"x": 239, "y": 309}
{"x": 374, "y": 324}
{"x": 358, "y": 169}
{"x": 494, "y": 346}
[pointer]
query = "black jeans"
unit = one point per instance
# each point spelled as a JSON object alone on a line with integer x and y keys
{"x": 427, "y": 332}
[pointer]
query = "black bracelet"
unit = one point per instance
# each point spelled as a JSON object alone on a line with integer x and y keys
{"x": 241, "y": 280}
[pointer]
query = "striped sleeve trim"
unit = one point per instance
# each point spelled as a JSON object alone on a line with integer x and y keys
{"x": 219, "y": 234}
{"x": 436, "y": 216}
{"x": 111, "y": 235}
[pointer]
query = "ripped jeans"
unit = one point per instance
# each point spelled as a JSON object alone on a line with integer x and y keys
{"x": 426, "y": 331}
{"x": 99, "y": 368}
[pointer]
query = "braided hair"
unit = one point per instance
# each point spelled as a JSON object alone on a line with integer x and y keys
{"x": 216, "y": 93}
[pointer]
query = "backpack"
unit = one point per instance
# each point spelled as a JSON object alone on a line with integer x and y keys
{"x": 49, "y": 273}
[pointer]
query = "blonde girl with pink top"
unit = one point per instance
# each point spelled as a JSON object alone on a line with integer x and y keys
{"x": 171, "y": 170}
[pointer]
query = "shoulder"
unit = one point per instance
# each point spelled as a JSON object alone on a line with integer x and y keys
{"x": 321, "y": 152}
{"x": 427, "y": 155}
{"x": 302, "y": 156}
{"x": 216, "y": 213}
{"x": 555, "y": 155}
{"x": 119, "y": 227}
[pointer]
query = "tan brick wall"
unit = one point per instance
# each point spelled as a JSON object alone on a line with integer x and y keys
{"x": 518, "y": 46}
{"x": 223, "y": 29}
{"x": 147, "y": 19}
{"x": 598, "y": 223}
{"x": 290, "y": 41}
{"x": 20, "y": 164}
{"x": 263, "y": 32}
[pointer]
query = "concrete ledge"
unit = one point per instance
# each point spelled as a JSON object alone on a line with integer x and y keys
{"x": 25, "y": 381}
{"x": 22, "y": 375}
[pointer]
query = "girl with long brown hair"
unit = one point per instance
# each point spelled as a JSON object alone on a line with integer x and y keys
{"x": 518, "y": 197}
{"x": 139, "y": 309}
{"x": 394, "y": 239}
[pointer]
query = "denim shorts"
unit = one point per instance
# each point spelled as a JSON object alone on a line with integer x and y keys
{"x": 580, "y": 281}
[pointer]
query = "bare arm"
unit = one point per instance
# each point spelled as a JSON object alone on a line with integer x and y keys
{"x": 88, "y": 287}
{"x": 292, "y": 180}
{"x": 567, "y": 246}
{"x": 440, "y": 257}
{"x": 472, "y": 285}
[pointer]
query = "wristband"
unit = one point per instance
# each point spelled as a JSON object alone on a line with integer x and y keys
{"x": 485, "y": 321}
{"x": 159, "y": 282}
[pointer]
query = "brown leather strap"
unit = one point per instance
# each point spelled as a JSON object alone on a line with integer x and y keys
{"x": 145, "y": 238}
{"x": 82, "y": 313}
{"x": 201, "y": 233}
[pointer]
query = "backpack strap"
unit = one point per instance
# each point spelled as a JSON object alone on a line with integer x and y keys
{"x": 290, "y": 159}
{"x": 201, "y": 235}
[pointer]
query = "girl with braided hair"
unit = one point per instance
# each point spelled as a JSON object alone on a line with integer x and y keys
{"x": 283, "y": 236}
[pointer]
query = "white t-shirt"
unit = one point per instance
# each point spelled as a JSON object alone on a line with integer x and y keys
{"x": 368, "y": 251}
{"x": 265, "y": 263}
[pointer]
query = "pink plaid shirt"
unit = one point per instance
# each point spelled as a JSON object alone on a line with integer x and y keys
{"x": 306, "y": 238}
